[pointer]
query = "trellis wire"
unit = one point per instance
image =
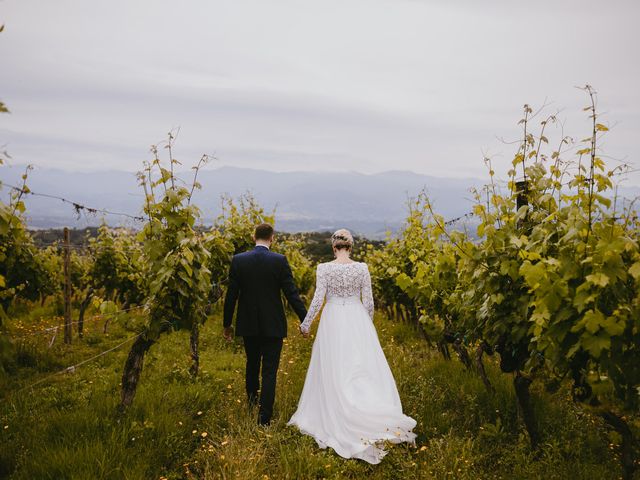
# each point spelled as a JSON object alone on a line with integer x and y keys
{"x": 77, "y": 206}
{"x": 93, "y": 318}
{"x": 72, "y": 368}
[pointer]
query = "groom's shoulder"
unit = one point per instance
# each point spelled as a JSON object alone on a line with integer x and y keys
{"x": 242, "y": 255}
{"x": 277, "y": 255}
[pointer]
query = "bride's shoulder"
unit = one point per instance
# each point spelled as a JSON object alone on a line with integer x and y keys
{"x": 328, "y": 265}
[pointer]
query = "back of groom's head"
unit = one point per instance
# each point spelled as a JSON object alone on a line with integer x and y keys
{"x": 264, "y": 231}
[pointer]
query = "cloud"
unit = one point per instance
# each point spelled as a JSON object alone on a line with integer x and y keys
{"x": 353, "y": 85}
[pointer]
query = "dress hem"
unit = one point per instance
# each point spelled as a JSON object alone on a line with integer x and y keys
{"x": 371, "y": 453}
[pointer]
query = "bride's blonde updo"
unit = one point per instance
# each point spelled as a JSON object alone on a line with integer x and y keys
{"x": 342, "y": 239}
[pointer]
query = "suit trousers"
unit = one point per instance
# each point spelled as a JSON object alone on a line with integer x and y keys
{"x": 262, "y": 352}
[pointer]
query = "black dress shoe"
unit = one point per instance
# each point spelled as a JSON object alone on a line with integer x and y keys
{"x": 265, "y": 422}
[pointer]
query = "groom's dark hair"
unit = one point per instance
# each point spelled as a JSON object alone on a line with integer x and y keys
{"x": 264, "y": 231}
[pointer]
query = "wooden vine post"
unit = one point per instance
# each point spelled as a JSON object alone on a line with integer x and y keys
{"x": 67, "y": 289}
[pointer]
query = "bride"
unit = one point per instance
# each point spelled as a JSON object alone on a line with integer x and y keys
{"x": 350, "y": 401}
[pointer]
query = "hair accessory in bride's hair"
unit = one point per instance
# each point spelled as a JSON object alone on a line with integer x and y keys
{"x": 342, "y": 239}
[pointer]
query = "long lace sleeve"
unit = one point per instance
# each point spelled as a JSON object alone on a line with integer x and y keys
{"x": 318, "y": 299}
{"x": 367, "y": 293}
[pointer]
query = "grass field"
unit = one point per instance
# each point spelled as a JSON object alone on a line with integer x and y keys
{"x": 68, "y": 427}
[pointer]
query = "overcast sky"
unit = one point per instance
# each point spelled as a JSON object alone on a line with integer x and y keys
{"x": 369, "y": 85}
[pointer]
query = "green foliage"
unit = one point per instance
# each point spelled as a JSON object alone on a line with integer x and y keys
{"x": 117, "y": 267}
{"x": 430, "y": 275}
{"x": 581, "y": 267}
{"x": 238, "y": 220}
{"x": 302, "y": 268}
{"x": 53, "y": 281}
{"x": 175, "y": 255}
{"x": 386, "y": 264}
{"x": 232, "y": 233}
{"x": 25, "y": 271}
{"x": 551, "y": 283}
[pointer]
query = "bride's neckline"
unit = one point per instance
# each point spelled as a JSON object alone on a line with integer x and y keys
{"x": 342, "y": 263}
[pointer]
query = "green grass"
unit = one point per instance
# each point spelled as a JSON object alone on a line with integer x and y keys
{"x": 68, "y": 426}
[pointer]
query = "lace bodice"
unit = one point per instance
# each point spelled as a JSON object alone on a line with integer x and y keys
{"x": 340, "y": 280}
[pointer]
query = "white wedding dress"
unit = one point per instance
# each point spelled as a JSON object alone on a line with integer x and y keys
{"x": 350, "y": 401}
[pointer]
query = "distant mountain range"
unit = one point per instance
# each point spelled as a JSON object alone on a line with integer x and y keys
{"x": 305, "y": 201}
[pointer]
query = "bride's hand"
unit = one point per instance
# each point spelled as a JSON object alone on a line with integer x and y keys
{"x": 303, "y": 333}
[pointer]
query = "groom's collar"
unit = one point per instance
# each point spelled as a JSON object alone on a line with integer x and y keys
{"x": 258, "y": 245}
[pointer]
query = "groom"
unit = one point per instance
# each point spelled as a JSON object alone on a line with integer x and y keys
{"x": 256, "y": 279}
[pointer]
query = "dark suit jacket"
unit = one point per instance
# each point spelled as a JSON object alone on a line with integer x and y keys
{"x": 256, "y": 279}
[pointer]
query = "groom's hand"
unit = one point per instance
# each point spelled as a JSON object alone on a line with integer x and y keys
{"x": 304, "y": 334}
{"x": 227, "y": 333}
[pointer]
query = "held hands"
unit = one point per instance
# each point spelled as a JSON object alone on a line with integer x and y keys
{"x": 304, "y": 333}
